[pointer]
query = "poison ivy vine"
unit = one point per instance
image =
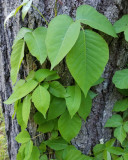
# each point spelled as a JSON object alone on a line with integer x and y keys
{"x": 60, "y": 109}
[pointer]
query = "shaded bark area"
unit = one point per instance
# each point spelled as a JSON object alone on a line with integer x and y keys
{"x": 93, "y": 131}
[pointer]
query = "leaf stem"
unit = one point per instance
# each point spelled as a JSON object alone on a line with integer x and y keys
{"x": 55, "y": 9}
{"x": 40, "y": 13}
{"x": 37, "y": 136}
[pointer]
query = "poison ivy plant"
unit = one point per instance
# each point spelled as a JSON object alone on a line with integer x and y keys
{"x": 59, "y": 109}
{"x": 116, "y": 121}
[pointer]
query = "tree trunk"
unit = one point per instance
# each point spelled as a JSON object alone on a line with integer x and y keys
{"x": 93, "y": 130}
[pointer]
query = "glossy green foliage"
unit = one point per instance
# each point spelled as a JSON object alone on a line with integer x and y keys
{"x": 36, "y": 43}
{"x": 23, "y": 137}
{"x": 68, "y": 127}
{"x": 56, "y": 108}
{"x": 85, "y": 106}
{"x": 60, "y": 109}
{"x": 122, "y": 26}
{"x": 121, "y": 106}
{"x": 89, "y": 16}
{"x": 22, "y": 91}
{"x": 67, "y": 33}
{"x": 57, "y": 144}
{"x": 16, "y": 59}
{"x": 73, "y": 100}
{"x": 116, "y": 121}
{"x": 21, "y": 34}
{"x": 26, "y": 9}
{"x": 57, "y": 90}
{"x": 120, "y": 79}
{"x": 42, "y": 74}
{"x": 26, "y": 109}
{"x": 87, "y": 59}
{"x": 41, "y": 99}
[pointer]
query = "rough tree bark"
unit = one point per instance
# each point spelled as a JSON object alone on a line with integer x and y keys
{"x": 93, "y": 131}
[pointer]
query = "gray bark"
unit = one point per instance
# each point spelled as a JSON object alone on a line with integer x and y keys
{"x": 93, "y": 131}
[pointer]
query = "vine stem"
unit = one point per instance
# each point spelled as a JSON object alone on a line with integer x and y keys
{"x": 40, "y": 13}
{"x": 55, "y": 9}
{"x": 37, "y": 136}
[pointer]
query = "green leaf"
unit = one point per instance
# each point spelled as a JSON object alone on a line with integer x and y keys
{"x": 121, "y": 106}
{"x": 122, "y": 24}
{"x": 125, "y": 126}
{"x": 106, "y": 155}
{"x": 20, "y": 154}
{"x": 28, "y": 150}
{"x": 15, "y": 109}
{"x": 71, "y": 153}
{"x": 125, "y": 115}
{"x": 115, "y": 121}
{"x": 16, "y": 59}
{"x": 25, "y": 9}
{"x": 48, "y": 126}
{"x": 120, "y": 134}
{"x": 61, "y": 36}
{"x": 44, "y": 157}
{"x": 54, "y": 134}
{"x": 74, "y": 99}
{"x": 57, "y": 144}
{"x": 57, "y": 89}
{"x": 87, "y": 59}
{"x": 52, "y": 77}
{"x": 39, "y": 118}
{"x": 68, "y": 127}
{"x": 41, "y": 74}
{"x": 85, "y": 106}
{"x": 23, "y": 137}
{"x": 110, "y": 143}
{"x": 19, "y": 116}
{"x": 18, "y": 84}
{"x": 120, "y": 79}
{"x": 41, "y": 99}
{"x": 57, "y": 108}
{"x": 98, "y": 148}
{"x": 88, "y": 15}
{"x": 126, "y": 34}
{"x": 30, "y": 76}
{"x": 21, "y": 34}
{"x": 59, "y": 154}
{"x": 120, "y": 158}
{"x": 92, "y": 94}
{"x": 26, "y": 109}
{"x": 22, "y": 91}
{"x": 125, "y": 156}
{"x": 45, "y": 85}
{"x": 36, "y": 43}
{"x": 116, "y": 150}
{"x": 35, "y": 153}
{"x": 124, "y": 92}
{"x": 42, "y": 147}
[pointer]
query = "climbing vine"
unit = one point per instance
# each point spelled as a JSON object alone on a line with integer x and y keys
{"x": 61, "y": 109}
